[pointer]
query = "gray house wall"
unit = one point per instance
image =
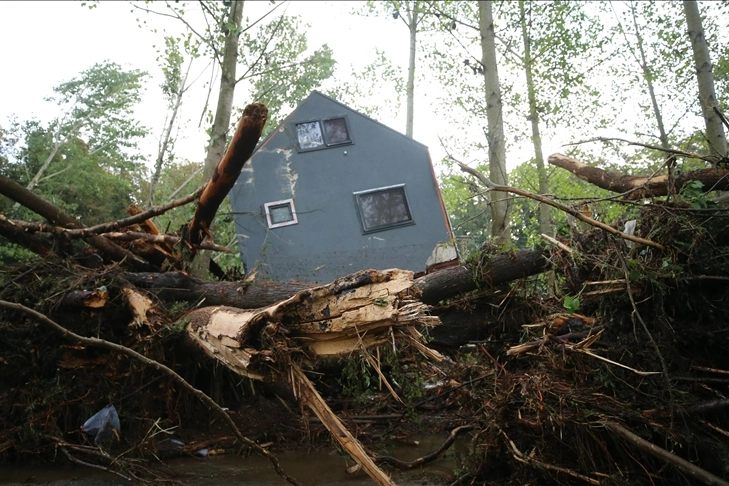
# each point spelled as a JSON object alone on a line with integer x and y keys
{"x": 328, "y": 240}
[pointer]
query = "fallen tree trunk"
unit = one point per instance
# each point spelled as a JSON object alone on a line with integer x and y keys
{"x": 350, "y": 315}
{"x": 638, "y": 187}
{"x": 434, "y": 287}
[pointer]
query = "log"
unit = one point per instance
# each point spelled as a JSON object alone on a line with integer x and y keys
{"x": 226, "y": 173}
{"x": 639, "y": 187}
{"x": 178, "y": 286}
{"x": 359, "y": 311}
{"x": 435, "y": 287}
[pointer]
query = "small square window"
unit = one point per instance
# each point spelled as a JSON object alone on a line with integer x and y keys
{"x": 309, "y": 135}
{"x": 280, "y": 213}
{"x": 381, "y": 209}
{"x": 336, "y": 132}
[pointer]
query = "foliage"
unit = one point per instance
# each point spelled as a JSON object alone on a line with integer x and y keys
{"x": 280, "y": 72}
{"x": 86, "y": 161}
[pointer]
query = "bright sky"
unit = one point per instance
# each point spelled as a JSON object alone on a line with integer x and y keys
{"x": 46, "y": 43}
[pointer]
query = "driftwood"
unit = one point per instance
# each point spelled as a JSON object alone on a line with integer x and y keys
{"x": 638, "y": 187}
{"x": 227, "y": 172}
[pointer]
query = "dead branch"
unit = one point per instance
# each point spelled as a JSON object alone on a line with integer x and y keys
{"x": 20, "y": 194}
{"x": 226, "y": 173}
{"x": 403, "y": 465}
{"x": 132, "y": 220}
{"x": 434, "y": 287}
{"x": 164, "y": 239}
{"x": 713, "y": 160}
{"x": 638, "y": 187}
{"x": 117, "y": 348}
{"x": 652, "y": 449}
{"x": 309, "y": 396}
{"x": 12, "y": 232}
{"x": 573, "y": 212}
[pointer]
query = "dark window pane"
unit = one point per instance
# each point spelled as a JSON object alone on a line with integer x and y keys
{"x": 281, "y": 213}
{"x": 336, "y": 131}
{"x": 309, "y": 135}
{"x": 384, "y": 208}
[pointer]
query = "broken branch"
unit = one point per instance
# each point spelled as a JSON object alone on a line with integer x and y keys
{"x": 226, "y": 173}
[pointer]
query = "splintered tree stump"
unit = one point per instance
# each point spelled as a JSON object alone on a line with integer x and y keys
{"x": 358, "y": 311}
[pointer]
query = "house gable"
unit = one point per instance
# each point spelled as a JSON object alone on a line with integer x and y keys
{"x": 362, "y": 196}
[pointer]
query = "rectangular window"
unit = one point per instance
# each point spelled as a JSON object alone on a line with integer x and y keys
{"x": 309, "y": 135}
{"x": 280, "y": 213}
{"x": 336, "y": 131}
{"x": 383, "y": 208}
{"x": 314, "y": 135}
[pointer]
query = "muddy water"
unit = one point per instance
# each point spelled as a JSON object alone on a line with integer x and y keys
{"x": 322, "y": 468}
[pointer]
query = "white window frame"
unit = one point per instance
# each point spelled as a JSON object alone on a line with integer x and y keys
{"x": 267, "y": 209}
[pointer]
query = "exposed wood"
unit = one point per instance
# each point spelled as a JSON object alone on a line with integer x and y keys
{"x": 147, "y": 225}
{"x": 309, "y": 396}
{"x": 638, "y": 187}
{"x": 18, "y": 193}
{"x": 352, "y": 313}
{"x": 93, "y": 299}
{"x": 226, "y": 173}
{"x": 435, "y": 287}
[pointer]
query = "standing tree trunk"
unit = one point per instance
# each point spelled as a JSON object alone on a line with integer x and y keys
{"x": 648, "y": 76}
{"x": 221, "y": 123}
{"x": 412, "y": 23}
{"x": 704, "y": 74}
{"x": 544, "y": 222}
{"x": 497, "y": 150}
{"x": 164, "y": 144}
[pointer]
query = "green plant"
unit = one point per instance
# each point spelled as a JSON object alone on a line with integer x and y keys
{"x": 572, "y": 304}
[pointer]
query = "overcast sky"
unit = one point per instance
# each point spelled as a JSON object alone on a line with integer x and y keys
{"x": 46, "y": 43}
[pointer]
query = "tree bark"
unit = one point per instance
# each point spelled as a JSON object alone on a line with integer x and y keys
{"x": 164, "y": 144}
{"x": 544, "y": 220}
{"x": 648, "y": 76}
{"x": 639, "y": 187}
{"x": 226, "y": 92}
{"x": 500, "y": 228}
{"x": 412, "y": 23}
{"x": 435, "y": 287}
{"x": 227, "y": 171}
{"x": 705, "y": 76}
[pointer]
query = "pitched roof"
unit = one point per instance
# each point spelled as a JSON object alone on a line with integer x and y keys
{"x": 318, "y": 93}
